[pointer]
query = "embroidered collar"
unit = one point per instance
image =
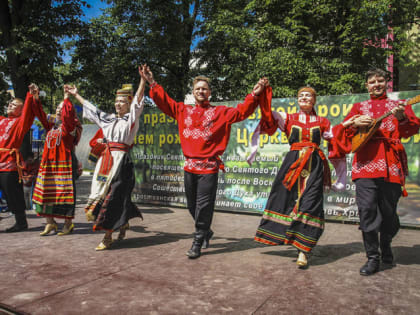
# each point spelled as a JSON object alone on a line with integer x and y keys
{"x": 381, "y": 97}
{"x": 312, "y": 113}
{"x": 206, "y": 104}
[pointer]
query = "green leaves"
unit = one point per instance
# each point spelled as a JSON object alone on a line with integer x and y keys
{"x": 31, "y": 36}
{"x": 327, "y": 44}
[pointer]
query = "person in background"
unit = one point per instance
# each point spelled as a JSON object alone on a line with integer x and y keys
{"x": 12, "y": 131}
{"x": 54, "y": 193}
{"x": 30, "y": 170}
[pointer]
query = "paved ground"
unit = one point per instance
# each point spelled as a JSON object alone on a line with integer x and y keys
{"x": 148, "y": 273}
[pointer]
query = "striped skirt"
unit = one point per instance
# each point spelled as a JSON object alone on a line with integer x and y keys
{"x": 295, "y": 217}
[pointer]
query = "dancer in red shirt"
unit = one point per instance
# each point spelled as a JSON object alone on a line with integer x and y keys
{"x": 379, "y": 167}
{"x": 12, "y": 131}
{"x": 204, "y": 131}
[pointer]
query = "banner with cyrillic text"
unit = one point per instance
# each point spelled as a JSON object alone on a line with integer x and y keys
{"x": 159, "y": 161}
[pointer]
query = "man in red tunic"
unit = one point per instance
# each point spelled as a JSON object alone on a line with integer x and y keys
{"x": 379, "y": 168}
{"x": 12, "y": 131}
{"x": 204, "y": 132}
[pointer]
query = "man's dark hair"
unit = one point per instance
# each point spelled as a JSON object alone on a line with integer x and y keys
{"x": 376, "y": 72}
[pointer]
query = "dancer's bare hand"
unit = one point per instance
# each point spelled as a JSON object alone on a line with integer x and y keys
{"x": 146, "y": 74}
{"x": 363, "y": 121}
{"x": 399, "y": 110}
{"x": 260, "y": 86}
{"x": 34, "y": 90}
{"x": 71, "y": 89}
{"x": 350, "y": 121}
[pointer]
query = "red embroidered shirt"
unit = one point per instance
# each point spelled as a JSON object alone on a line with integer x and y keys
{"x": 204, "y": 130}
{"x": 383, "y": 155}
{"x": 13, "y": 130}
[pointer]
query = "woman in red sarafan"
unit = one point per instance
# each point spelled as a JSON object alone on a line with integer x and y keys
{"x": 54, "y": 193}
{"x": 294, "y": 213}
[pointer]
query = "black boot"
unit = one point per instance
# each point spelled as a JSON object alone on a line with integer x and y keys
{"x": 17, "y": 228}
{"x": 386, "y": 251}
{"x": 371, "y": 242}
{"x": 206, "y": 242}
{"x": 20, "y": 225}
{"x": 198, "y": 240}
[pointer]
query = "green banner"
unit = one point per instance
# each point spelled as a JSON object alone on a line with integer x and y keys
{"x": 159, "y": 162}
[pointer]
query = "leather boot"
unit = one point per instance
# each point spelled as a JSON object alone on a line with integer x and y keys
{"x": 198, "y": 240}
{"x": 386, "y": 251}
{"x": 20, "y": 225}
{"x": 17, "y": 228}
{"x": 371, "y": 243}
{"x": 206, "y": 242}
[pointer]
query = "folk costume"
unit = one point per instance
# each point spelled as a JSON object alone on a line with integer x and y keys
{"x": 109, "y": 203}
{"x": 12, "y": 132}
{"x": 379, "y": 170}
{"x": 204, "y": 132}
{"x": 55, "y": 192}
{"x": 96, "y": 147}
{"x": 294, "y": 213}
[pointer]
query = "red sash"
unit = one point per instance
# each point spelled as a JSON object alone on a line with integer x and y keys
{"x": 296, "y": 168}
{"x": 398, "y": 149}
{"x": 19, "y": 166}
{"x": 107, "y": 160}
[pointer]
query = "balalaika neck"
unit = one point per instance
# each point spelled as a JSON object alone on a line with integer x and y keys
{"x": 411, "y": 101}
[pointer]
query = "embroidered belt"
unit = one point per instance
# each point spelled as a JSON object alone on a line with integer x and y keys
{"x": 19, "y": 166}
{"x": 107, "y": 160}
{"x": 212, "y": 164}
{"x": 297, "y": 168}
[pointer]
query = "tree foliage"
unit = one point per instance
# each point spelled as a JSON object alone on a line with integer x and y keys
{"x": 30, "y": 38}
{"x": 128, "y": 34}
{"x": 327, "y": 44}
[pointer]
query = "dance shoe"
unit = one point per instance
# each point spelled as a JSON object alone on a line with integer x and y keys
{"x": 302, "y": 260}
{"x": 90, "y": 216}
{"x": 123, "y": 230}
{"x": 195, "y": 250}
{"x": 17, "y": 228}
{"x": 206, "y": 242}
{"x": 48, "y": 228}
{"x": 105, "y": 244}
{"x": 370, "y": 267}
{"x": 66, "y": 230}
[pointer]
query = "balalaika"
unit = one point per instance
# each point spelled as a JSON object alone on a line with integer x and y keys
{"x": 365, "y": 133}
